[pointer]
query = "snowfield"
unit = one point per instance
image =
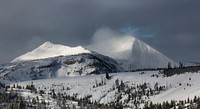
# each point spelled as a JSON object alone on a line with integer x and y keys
{"x": 177, "y": 87}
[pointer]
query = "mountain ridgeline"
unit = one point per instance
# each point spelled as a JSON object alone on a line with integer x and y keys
{"x": 54, "y": 60}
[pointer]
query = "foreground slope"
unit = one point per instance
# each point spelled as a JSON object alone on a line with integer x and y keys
{"x": 123, "y": 87}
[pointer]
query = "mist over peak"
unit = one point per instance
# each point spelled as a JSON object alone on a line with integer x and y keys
{"x": 127, "y": 49}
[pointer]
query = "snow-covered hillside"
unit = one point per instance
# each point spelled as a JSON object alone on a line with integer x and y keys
{"x": 48, "y": 50}
{"x": 101, "y": 90}
{"x": 61, "y": 66}
{"x": 131, "y": 52}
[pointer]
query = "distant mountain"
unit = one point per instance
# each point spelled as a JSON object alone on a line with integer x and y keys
{"x": 131, "y": 53}
{"x": 52, "y": 60}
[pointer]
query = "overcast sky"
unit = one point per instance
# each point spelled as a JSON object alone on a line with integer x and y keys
{"x": 170, "y": 26}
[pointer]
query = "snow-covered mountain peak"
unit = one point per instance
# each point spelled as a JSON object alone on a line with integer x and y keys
{"x": 130, "y": 51}
{"x": 47, "y": 45}
{"x": 48, "y": 49}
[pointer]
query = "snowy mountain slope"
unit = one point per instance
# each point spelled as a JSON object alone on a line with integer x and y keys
{"x": 61, "y": 66}
{"x": 131, "y": 52}
{"x": 86, "y": 85}
{"x": 49, "y": 49}
{"x": 146, "y": 56}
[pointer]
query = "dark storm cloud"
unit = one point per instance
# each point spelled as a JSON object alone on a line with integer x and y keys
{"x": 171, "y": 26}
